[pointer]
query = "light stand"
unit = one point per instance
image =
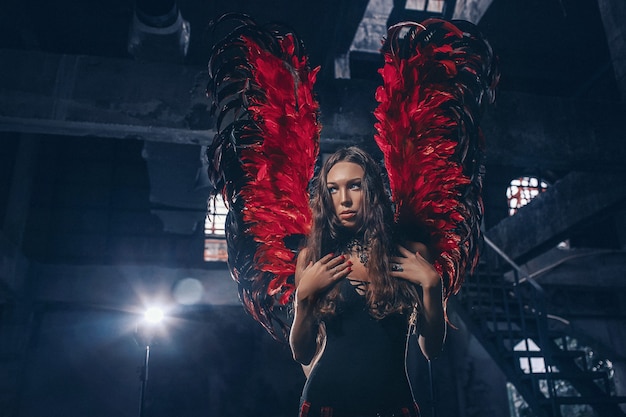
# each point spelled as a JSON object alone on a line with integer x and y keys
{"x": 144, "y": 335}
{"x": 144, "y": 382}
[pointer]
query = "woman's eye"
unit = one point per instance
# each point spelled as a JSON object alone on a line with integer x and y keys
{"x": 355, "y": 186}
{"x": 332, "y": 190}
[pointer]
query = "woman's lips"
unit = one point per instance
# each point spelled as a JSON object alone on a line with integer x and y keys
{"x": 347, "y": 215}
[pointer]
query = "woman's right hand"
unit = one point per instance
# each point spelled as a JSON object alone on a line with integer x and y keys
{"x": 314, "y": 278}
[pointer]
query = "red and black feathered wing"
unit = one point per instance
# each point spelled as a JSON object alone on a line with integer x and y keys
{"x": 263, "y": 157}
{"x": 437, "y": 78}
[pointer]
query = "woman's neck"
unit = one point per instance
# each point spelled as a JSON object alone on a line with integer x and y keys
{"x": 354, "y": 244}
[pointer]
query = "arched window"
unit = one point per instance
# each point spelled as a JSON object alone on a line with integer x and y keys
{"x": 522, "y": 190}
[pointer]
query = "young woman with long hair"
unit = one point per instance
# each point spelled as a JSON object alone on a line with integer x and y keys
{"x": 358, "y": 288}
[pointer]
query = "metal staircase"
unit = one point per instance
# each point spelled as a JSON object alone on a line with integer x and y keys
{"x": 510, "y": 318}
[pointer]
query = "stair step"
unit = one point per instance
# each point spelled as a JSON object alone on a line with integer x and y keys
{"x": 497, "y": 307}
{"x": 493, "y": 299}
{"x": 485, "y": 288}
{"x": 540, "y": 354}
{"x": 614, "y": 399}
{"x": 515, "y": 334}
{"x": 503, "y": 317}
{"x": 568, "y": 376}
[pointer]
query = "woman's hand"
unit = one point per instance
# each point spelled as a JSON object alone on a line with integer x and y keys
{"x": 311, "y": 280}
{"x": 314, "y": 278}
{"x": 413, "y": 267}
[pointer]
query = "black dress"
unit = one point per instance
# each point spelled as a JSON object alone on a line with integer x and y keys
{"x": 362, "y": 370}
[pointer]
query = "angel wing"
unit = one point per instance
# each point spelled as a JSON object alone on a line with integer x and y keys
{"x": 262, "y": 158}
{"x": 437, "y": 78}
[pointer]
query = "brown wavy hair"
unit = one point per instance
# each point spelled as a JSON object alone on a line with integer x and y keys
{"x": 385, "y": 294}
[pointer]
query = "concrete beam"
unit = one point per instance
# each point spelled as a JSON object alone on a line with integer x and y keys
{"x": 105, "y": 97}
{"x": 578, "y": 267}
{"x": 572, "y": 201}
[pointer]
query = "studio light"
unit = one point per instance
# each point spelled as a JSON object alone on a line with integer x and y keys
{"x": 154, "y": 315}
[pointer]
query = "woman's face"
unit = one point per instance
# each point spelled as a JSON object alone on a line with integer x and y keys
{"x": 344, "y": 183}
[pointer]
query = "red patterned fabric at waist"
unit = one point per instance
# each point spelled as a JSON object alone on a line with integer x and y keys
{"x": 307, "y": 410}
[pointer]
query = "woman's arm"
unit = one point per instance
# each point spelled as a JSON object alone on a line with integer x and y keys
{"x": 304, "y": 329}
{"x": 311, "y": 280}
{"x": 413, "y": 265}
{"x": 321, "y": 345}
{"x": 432, "y": 324}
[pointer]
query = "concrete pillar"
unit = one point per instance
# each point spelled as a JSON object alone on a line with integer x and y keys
{"x": 15, "y": 308}
{"x": 21, "y": 185}
{"x": 613, "y": 14}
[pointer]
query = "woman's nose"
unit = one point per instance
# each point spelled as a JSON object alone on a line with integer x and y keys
{"x": 345, "y": 198}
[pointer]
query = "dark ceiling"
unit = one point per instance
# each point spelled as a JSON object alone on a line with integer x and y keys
{"x": 551, "y": 50}
{"x": 552, "y": 47}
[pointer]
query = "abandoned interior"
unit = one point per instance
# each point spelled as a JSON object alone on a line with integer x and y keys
{"x": 103, "y": 205}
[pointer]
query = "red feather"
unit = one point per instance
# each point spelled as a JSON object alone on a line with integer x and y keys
{"x": 427, "y": 114}
{"x": 271, "y": 147}
{"x": 277, "y": 207}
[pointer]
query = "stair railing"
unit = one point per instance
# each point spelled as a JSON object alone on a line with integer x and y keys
{"x": 529, "y": 305}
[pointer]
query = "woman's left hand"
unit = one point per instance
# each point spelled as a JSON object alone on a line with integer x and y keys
{"x": 413, "y": 267}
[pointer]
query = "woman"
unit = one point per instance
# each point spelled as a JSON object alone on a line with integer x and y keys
{"x": 357, "y": 293}
{"x": 360, "y": 288}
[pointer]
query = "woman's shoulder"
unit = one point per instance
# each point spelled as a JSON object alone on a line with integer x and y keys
{"x": 302, "y": 259}
{"x": 303, "y": 254}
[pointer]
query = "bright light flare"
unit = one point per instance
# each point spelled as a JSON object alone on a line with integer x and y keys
{"x": 154, "y": 315}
